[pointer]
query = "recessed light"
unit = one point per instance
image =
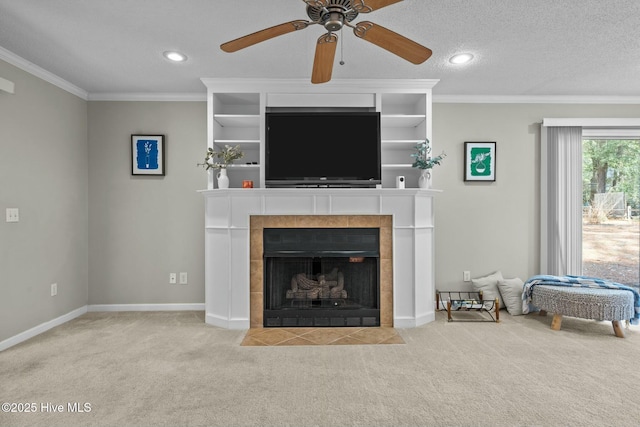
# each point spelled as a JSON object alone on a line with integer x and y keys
{"x": 461, "y": 58}
{"x": 175, "y": 56}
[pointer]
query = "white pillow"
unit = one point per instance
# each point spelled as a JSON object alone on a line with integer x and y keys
{"x": 489, "y": 286}
{"x": 511, "y": 292}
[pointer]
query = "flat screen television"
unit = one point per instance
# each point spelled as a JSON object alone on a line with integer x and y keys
{"x": 318, "y": 149}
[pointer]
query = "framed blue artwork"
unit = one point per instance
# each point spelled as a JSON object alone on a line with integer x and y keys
{"x": 147, "y": 155}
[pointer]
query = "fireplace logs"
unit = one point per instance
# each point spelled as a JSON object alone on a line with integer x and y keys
{"x": 323, "y": 286}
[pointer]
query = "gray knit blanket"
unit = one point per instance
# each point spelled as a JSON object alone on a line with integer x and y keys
{"x": 579, "y": 282}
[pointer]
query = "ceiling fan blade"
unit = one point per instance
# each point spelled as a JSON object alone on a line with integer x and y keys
{"x": 317, "y": 3}
{"x": 366, "y": 6}
{"x": 393, "y": 42}
{"x": 266, "y": 34}
{"x": 323, "y": 61}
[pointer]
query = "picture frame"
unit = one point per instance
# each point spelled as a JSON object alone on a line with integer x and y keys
{"x": 147, "y": 155}
{"x": 480, "y": 161}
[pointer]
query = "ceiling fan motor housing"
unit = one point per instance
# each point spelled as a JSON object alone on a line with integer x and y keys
{"x": 333, "y": 16}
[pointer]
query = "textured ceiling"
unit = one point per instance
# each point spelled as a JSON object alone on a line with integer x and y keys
{"x": 522, "y": 47}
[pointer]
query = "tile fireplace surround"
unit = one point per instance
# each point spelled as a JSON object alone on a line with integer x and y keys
{"x": 235, "y": 218}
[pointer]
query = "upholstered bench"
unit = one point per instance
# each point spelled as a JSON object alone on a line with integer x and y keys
{"x": 587, "y": 303}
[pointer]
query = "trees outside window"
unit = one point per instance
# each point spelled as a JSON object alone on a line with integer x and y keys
{"x": 611, "y": 200}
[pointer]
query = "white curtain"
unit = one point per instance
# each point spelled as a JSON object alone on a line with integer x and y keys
{"x": 561, "y": 200}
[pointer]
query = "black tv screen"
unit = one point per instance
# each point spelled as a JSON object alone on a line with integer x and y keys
{"x": 322, "y": 149}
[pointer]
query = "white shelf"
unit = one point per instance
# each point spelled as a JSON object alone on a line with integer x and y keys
{"x": 397, "y": 166}
{"x": 243, "y": 143}
{"x": 241, "y": 166}
{"x": 237, "y": 120}
{"x": 400, "y": 144}
{"x": 401, "y": 120}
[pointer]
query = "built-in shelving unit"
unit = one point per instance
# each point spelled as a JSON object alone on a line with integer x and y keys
{"x": 234, "y": 119}
{"x": 404, "y": 123}
{"x": 236, "y": 112}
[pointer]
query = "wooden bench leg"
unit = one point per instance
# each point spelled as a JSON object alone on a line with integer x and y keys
{"x": 556, "y": 322}
{"x": 617, "y": 328}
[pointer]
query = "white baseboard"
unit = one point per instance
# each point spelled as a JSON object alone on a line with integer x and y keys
{"x": 146, "y": 307}
{"x": 414, "y": 322}
{"x": 237, "y": 324}
{"x": 43, "y": 327}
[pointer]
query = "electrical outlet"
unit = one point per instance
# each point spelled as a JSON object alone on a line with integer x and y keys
{"x": 183, "y": 278}
{"x": 172, "y": 278}
{"x": 466, "y": 276}
{"x": 54, "y": 289}
{"x": 13, "y": 215}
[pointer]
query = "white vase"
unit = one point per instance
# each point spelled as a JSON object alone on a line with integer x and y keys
{"x": 223, "y": 179}
{"x": 423, "y": 181}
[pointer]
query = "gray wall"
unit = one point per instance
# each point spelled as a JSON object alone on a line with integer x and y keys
{"x": 141, "y": 228}
{"x": 484, "y": 227}
{"x": 43, "y": 172}
{"x": 107, "y": 237}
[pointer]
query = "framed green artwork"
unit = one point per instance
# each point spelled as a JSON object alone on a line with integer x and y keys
{"x": 479, "y": 161}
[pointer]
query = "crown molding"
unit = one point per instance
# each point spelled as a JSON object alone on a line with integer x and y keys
{"x": 41, "y": 73}
{"x": 541, "y": 99}
{"x": 148, "y": 96}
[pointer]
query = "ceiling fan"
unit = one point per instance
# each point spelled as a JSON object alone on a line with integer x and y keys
{"x": 333, "y": 15}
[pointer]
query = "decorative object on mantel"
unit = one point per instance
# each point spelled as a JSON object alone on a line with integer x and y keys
{"x": 479, "y": 161}
{"x": 425, "y": 162}
{"x": 147, "y": 155}
{"x": 227, "y": 155}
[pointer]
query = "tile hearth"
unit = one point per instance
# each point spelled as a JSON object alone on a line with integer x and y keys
{"x": 257, "y": 337}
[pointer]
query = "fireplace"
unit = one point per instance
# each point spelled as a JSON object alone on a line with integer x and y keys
{"x": 315, "y": 277}
{"x": 234, "y": 259}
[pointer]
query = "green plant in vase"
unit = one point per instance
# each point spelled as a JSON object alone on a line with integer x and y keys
{"x": 225, "y": 157}
{"x": 424, "y": 161}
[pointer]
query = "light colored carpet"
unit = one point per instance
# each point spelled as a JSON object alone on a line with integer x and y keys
{"x": 170, "y": 368}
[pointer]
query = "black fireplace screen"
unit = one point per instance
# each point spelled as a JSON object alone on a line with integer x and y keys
{"x": 313, "y": 282}
{"x": 321, "y": 277}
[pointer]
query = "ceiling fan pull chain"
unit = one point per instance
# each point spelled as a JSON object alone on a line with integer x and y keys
{"x": 341, "y": 48}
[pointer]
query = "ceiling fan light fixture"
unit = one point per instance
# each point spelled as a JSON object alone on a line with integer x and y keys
{"x": 174, "y": 56}
{"x": 334, "y": 22}
{"x": 461, "y": 58}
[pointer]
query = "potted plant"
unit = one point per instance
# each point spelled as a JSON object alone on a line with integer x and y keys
{"x": 424, "y": 161}
{"x": 224, "y": 157}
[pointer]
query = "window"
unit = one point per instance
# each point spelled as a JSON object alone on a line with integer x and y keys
{"x": 561, "y": 200}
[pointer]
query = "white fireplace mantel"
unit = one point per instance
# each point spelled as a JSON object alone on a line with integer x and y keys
{"x": 227, "y": 244}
